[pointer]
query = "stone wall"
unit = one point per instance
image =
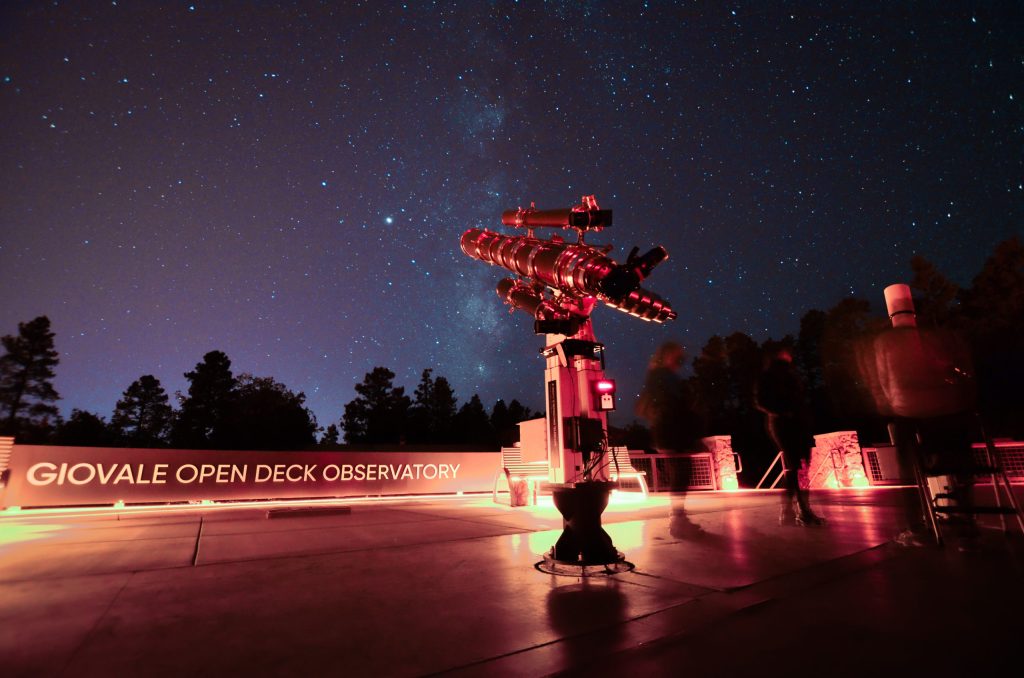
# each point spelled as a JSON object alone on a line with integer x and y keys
{"x": 722, "y": 456}
{"x": 836, "y": 461}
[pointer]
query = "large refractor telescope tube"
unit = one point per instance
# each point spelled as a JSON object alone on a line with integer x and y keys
{"x": 576, "y": 270}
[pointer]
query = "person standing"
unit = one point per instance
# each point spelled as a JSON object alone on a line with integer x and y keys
{"x": 665, "y": 401}
{"x": 667, "y": 405}
{"x": 923, "y": 379}
{"x": 779, "y": 394}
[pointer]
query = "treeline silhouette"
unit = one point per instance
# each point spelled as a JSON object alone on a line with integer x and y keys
{"x": 223, "y": 411}
{"x": 989, "y": 315}
{"x": 228, "y": 412}
{"x": 381, "y": 413}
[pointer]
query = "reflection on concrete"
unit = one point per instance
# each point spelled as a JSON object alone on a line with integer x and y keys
{"x": 629, "y": 536}
{"x": 14, "y": 534}
{"x": 455, "y": 580}
{"x": 533, "y": 543}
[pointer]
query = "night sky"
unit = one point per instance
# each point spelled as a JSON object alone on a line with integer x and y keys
{"x": 287, "y": 183}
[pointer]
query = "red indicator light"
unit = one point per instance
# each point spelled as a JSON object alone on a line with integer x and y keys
{"x": 605, "y": 386}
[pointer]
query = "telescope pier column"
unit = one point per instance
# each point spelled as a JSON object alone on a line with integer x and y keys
{"x": 577, "y": 441}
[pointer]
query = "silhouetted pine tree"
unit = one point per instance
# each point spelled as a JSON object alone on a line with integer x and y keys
{"x": 378, "y": 414}
{"x": 203, "y": 418}
{"x": 330, "y": 437}
{"x": 265, "y": 415}
{"x": 26, "y": 389}
{"x": 935, "y": 295}
{"x": 473, "y": 426}
{"x": 505, "y": 421}
{"x": 993, "y": 321}
{"x": 142, "y": 417}
{"x": 432, "y": 413}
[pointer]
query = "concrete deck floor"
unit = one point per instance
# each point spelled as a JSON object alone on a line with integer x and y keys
{"x": 410, "y": 588}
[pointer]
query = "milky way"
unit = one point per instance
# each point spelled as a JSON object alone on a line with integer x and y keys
{"x": 287, "y": 183}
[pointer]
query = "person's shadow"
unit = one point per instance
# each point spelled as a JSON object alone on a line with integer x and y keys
{"x": 681, "y": 527}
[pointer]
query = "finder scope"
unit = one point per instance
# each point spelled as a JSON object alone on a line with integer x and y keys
{"x": 586, "y": 216}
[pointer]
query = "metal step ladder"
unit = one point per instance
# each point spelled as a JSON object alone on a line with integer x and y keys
{"x": 939, "y": 507}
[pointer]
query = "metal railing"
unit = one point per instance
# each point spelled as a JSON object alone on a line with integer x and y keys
{"x": 782, "y": 472}
{"x": 676, "y": 472}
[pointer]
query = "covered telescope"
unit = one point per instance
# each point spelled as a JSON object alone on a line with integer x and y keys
{"x": 575, "y": 270}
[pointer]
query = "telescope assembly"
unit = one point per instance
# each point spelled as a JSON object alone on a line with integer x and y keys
{"x": 575, "y": 273}
{"x": 559, "y": 283}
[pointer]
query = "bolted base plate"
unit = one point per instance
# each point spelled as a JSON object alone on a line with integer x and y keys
{"x": 580, "y": 569}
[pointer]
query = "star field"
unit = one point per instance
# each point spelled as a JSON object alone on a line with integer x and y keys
{"x": 287, "y": 183}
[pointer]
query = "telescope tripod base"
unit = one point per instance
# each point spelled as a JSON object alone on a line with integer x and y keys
{"x": 583, "y": 542}
{"x": 557, "y": 567}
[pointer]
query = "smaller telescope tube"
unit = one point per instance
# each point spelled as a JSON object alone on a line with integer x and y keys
{"x": 899, "y": 303}
{"x": 521, "y": 217}
{"x": 559, "y": 218}
{"x": 521, "y": 296}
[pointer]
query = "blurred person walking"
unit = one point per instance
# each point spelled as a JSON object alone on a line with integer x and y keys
{"x": 666, "y": 402}
{"x": 923, "y": 380}
{"x": 667, "y": 405}
{"x": 780, "y": 394}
